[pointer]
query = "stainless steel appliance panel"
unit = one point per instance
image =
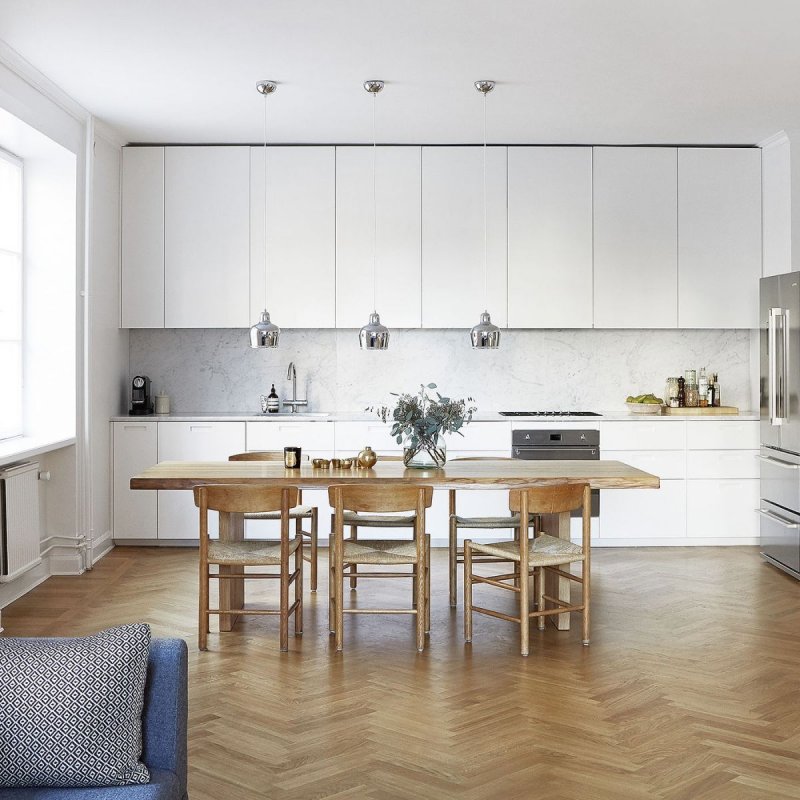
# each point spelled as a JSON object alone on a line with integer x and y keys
{"x": 780, "y": 478}
{"x": 789, "y": 358}
{"x": 769, "y": 317}
{"x": 780, "y": 537}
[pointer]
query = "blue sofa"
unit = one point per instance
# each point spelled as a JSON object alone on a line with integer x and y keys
{"x": 163, "y": 734}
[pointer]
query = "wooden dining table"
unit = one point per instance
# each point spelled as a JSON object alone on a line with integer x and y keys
{"x": 471, "y": 475}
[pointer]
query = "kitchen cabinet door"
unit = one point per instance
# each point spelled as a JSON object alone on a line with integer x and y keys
{"x": 549, "y": 237}
{"x": 722, "y": 509}
{"x": 178, "y": 517}
{"x": 314, "y": 437}
{"x": 142, "y": 252}
{"x": 644, "y": 514}
{"x": 135, "y": 446}
{"x": 398, "y": 266}
{"x": 207, "y": 237}
{"x": 453, "y": 294}
{"x": 300, "y": 270}
{"x": 719, "y": 249}
{"x": 635, "y": 191}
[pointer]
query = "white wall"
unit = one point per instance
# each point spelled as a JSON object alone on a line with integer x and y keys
{"x": 108, "y": 365}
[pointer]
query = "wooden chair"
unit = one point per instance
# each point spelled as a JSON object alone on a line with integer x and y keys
{"x": 355, "y": 521}
{"x": 457, "y": 523}
{"x": 297, "y": 514}
{"x": 535, "y": 557}
{"x": 376, "y": 498}
{"x": 249, "y": 499}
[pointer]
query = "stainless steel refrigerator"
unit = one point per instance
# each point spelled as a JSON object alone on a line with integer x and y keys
{"x": 780, "y": 421}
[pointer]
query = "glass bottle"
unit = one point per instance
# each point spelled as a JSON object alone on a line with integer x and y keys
{"x": 273, "y": 401}
{"x": 702, "y": 387}
{"x": 715, "y": 381}
{"x": 671, "y": 395}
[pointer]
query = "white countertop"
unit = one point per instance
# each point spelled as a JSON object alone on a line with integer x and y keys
{"x": 221, "y": 416}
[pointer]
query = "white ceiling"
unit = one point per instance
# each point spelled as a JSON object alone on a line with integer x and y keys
{"x": 585, "y": 71}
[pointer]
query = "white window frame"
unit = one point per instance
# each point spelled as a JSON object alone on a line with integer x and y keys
{"x": 11, "y": 429}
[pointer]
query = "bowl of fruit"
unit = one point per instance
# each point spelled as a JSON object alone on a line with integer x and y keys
{"x": 644, "y": 404}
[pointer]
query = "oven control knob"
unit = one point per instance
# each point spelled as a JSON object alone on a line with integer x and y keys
{"x": 583, "y": 436}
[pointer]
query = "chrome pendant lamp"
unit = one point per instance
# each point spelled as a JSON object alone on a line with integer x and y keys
{"x": 485, "y": 335}
{"x": 374, "y": 336}
{"x": 265, "y": 333}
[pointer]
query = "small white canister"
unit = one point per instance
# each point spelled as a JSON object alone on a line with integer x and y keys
{"x": 162, "y": 404}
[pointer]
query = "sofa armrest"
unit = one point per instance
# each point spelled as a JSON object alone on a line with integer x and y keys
{"x": 166, "y": 708}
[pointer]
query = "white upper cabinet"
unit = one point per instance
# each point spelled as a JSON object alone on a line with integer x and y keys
{"x": 635, "y": 237}
{"x": 549, "y": 237}
{"x": 301, "y": 233}
{"x": 142, "y": 278}
{"x": 719, "y": 240}
{"x": 453, "y": 294}
{"x": 398, "y": 265}
{"x": 207, "y": 240}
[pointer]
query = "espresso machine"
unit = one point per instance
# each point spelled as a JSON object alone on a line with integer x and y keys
{"x": 141, "y": 400}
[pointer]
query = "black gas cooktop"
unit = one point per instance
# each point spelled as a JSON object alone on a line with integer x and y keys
{"x": 549, "y": 414}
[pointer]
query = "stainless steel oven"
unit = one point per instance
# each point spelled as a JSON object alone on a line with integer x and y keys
{"x": 559, "y": 445}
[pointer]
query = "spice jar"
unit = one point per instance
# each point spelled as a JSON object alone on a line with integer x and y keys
{"x": 692, "y": 393}
{"x": 671, "y": 395}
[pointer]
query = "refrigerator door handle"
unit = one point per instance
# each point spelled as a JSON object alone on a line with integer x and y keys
{"x": 776, "y": 518}
{"x": 778, "y": 463}
{"x": 786, "y": 327}
{"x": 776, "y": 384}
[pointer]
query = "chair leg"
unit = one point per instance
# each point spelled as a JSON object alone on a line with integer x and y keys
{"x": 587, "y": 591}
{"x": 419, "y": 587}
{"x": 284, "y": 605}
{"x": 331, "y": 584}
{"x": 314, "y": 548}
{"x": 538, "y": 583}
{"x": 524, "y": 611}
{"x": 338, "y": 569}
{"x": 298, "y": 590}
{"x": 467, "y": 590}
{"x": 427, "y": 583}
{"x": 352, "y": 567}
{"x": 453, "y": 547}
{"x": 202, "y": 622}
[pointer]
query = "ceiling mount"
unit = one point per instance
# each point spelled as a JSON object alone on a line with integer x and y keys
{"x": 266, "y": 87}
{"x": 484, "y": 87}
{"x": 373, "y": 87}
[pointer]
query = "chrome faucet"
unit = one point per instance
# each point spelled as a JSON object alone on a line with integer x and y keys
{"x": 291, "y": 375}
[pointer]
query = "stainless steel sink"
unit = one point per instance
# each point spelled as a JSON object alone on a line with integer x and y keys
{"x": 298, "y": 415}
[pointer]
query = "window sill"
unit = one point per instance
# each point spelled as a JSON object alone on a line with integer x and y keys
{"x": 27, "y": 446}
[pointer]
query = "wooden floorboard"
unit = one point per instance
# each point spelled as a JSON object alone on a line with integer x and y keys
{"x": 690, "y": 689}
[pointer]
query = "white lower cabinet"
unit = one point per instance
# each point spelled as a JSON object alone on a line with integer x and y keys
{"x": 644, "y": 513}
{"x": 720, "y": 509}
{"x": 315, "y": 438}
{"x": 135, "y": 448}
{"x": 178, "y": 517}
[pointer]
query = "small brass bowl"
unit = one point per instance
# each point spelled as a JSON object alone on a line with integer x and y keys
{"x": 346, "y": 463}
{"x": 320, "y": 463}
{"x": 336, "y": 463}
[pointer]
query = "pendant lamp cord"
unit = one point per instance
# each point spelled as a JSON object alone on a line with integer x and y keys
{"x": 374, "y": 200}
{"x": 266, "y": 259}
{"x": 485, "y": 217}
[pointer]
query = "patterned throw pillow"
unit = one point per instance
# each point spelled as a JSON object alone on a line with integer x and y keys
{"x": 71, "y": 709}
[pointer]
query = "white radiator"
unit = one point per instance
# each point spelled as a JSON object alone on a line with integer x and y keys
{"x": 19, "y": 520}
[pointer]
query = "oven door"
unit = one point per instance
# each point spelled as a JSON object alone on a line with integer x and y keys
{"x": 533, "y": 453}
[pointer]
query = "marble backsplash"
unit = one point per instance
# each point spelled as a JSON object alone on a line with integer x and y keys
{"x": 215, "y": 370}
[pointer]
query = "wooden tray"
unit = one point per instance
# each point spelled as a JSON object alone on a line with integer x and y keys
{"x": 702, "y": 411}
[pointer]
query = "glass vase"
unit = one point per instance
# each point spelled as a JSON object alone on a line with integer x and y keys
{"x": 425, "y": 454}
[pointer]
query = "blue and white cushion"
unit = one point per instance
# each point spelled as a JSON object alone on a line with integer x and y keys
{"x": 71, "y": 709}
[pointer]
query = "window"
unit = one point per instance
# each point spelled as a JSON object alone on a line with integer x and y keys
{"x": 10, "y": 296}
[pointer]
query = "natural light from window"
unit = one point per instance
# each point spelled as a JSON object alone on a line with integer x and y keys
{"x": 10, "y": 295}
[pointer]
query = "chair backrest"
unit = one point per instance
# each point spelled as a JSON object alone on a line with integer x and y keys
{"x": 244, "y": 498}
{"x": 379, "y": 497}
{"x": 554, "y": 499}
{"x": 260, "y": 455}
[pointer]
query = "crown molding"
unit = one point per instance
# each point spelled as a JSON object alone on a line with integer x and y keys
{"x": 25, "y": 70}
{"x": 775, "y": 140}
{"x": 107, "y": 132}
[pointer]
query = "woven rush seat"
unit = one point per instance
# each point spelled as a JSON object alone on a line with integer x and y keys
{"x": 543, "y": 551}
{"x": 487, "y": 522}
{"x": 377, "y": 520}
{"x": 255, "y": 552}
{"x": 383, "y": 551}
{"x": 301, "y": 512}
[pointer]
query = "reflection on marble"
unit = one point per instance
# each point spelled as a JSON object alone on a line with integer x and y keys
{"x": 215, "y": 370}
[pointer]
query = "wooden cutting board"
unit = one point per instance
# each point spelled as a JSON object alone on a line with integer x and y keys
{"x": 702, "y": 411}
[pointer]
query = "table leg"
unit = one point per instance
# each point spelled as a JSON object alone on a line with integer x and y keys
{"x": 555, "y": 585}
{"x": 231, "y": 590}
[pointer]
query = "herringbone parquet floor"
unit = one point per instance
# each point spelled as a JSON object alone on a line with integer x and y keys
{"x": 690, "y": 690}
